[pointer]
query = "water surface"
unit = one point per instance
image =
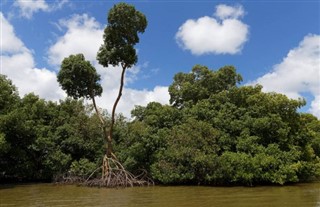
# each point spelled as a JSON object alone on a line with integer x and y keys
{"x": 302, "y": 195}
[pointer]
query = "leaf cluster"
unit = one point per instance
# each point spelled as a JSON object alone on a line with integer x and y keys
{"x": 120, "y": 36}
{"x": 79, "y": 78}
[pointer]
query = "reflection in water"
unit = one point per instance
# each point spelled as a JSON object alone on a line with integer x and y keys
{"x": 65, "y": 195}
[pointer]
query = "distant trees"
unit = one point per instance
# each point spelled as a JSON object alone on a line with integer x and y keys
{"x": 218, "y": 133}
{"x": 235, "y": 135}
{"x": 41, "y": 139}
{"x": 189, "y": 88}
{"x": 8, "y": 95}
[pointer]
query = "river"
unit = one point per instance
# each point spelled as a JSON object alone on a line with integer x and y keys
{"x": 300, "y": 195}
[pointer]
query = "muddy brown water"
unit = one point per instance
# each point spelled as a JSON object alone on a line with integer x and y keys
{"x": 302, "y": 195}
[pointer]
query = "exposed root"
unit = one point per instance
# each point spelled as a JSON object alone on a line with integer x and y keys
{"x": 114, "y": 175}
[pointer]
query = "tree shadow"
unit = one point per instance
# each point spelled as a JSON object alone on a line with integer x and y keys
{"x": 7, "y": 186}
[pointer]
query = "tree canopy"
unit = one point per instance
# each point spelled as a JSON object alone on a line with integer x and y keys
{"x": 120, "y": 36}
{"x": 8, "y": 94}
{"x": 189, "y": 88}
{"x": 79, "y": 78}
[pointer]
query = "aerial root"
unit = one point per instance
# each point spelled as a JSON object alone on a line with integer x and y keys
{"x": 113, "y": 175}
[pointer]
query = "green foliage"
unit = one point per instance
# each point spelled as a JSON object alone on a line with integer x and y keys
{"x": 79, "y": 78}
{"x": 157, "y": 116}
{"x": 189, "y": 88}
{"x": 82, "y": 168}
{"x": 120, "y": 36}
{"x": 231, "y": 135}
{"x": 189, "y": 155}
{"x": 55, "y": 163}
{"x": 8, "y": 95}
{"x": 135, "y": 145}
{"x": 312, "y": 126}
{"x": 224, "y": 134}
{"x": 4, "y": 145}
{"x": 40, "y": 139}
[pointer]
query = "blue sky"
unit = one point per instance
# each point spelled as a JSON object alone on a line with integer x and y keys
{"x": 273, "y": 43}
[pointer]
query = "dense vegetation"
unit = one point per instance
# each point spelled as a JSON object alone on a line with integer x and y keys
{"x": 41, "y": 139}
{"x": 213, "y": 132}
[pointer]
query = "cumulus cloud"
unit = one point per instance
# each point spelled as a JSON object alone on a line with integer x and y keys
{"x": 18, "y": 64}
{"x": 83, "y": 34}
{"x": 9, "y": 42}
{"x": 224, "y": 11}
{"x": 132, "y": 98}
{"x": 298, "y": 73}
{"x": 29, "y": 7}
{"x": 315, "y": 106}
{"x": 225, "y": 34}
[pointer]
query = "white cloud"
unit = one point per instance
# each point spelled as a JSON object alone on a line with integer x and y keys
{"x": 18, "y": 64}
{"x": 224, "y": 35}
{"x": 59, "y": 4}
{"x": 224, "y": 11}
{"x": 29, "y": 7}
{"x": 315, "y": 106}
{"x": 132, "y": 97}
{"x": 298, "y": 73}
{"x": 9, "y": 43}
{"x": 83, "y": 34}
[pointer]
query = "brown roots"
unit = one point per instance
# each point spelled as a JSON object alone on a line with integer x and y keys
{"x": 114, "y": 175}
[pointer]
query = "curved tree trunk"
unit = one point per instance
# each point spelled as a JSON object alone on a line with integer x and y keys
{"x": 106, "y": 168}
{"x": 110, "y": 136}
{"x": 113, "y": 173}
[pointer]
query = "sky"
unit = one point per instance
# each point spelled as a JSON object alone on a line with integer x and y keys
{"x": 272, "y": 43}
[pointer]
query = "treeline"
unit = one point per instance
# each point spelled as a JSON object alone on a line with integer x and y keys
{"x": 214, "y": 132}
{"x": 41, "y": 139}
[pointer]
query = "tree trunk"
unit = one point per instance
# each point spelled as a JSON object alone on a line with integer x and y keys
{"x": 110, "y": 136}
{"x": 113, "y": 173}
{"x": 103, "y": 124}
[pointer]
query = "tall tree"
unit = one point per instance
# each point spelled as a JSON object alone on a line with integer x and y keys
{"x": 79, "y": 78}
{"x": 120, "y": 36}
